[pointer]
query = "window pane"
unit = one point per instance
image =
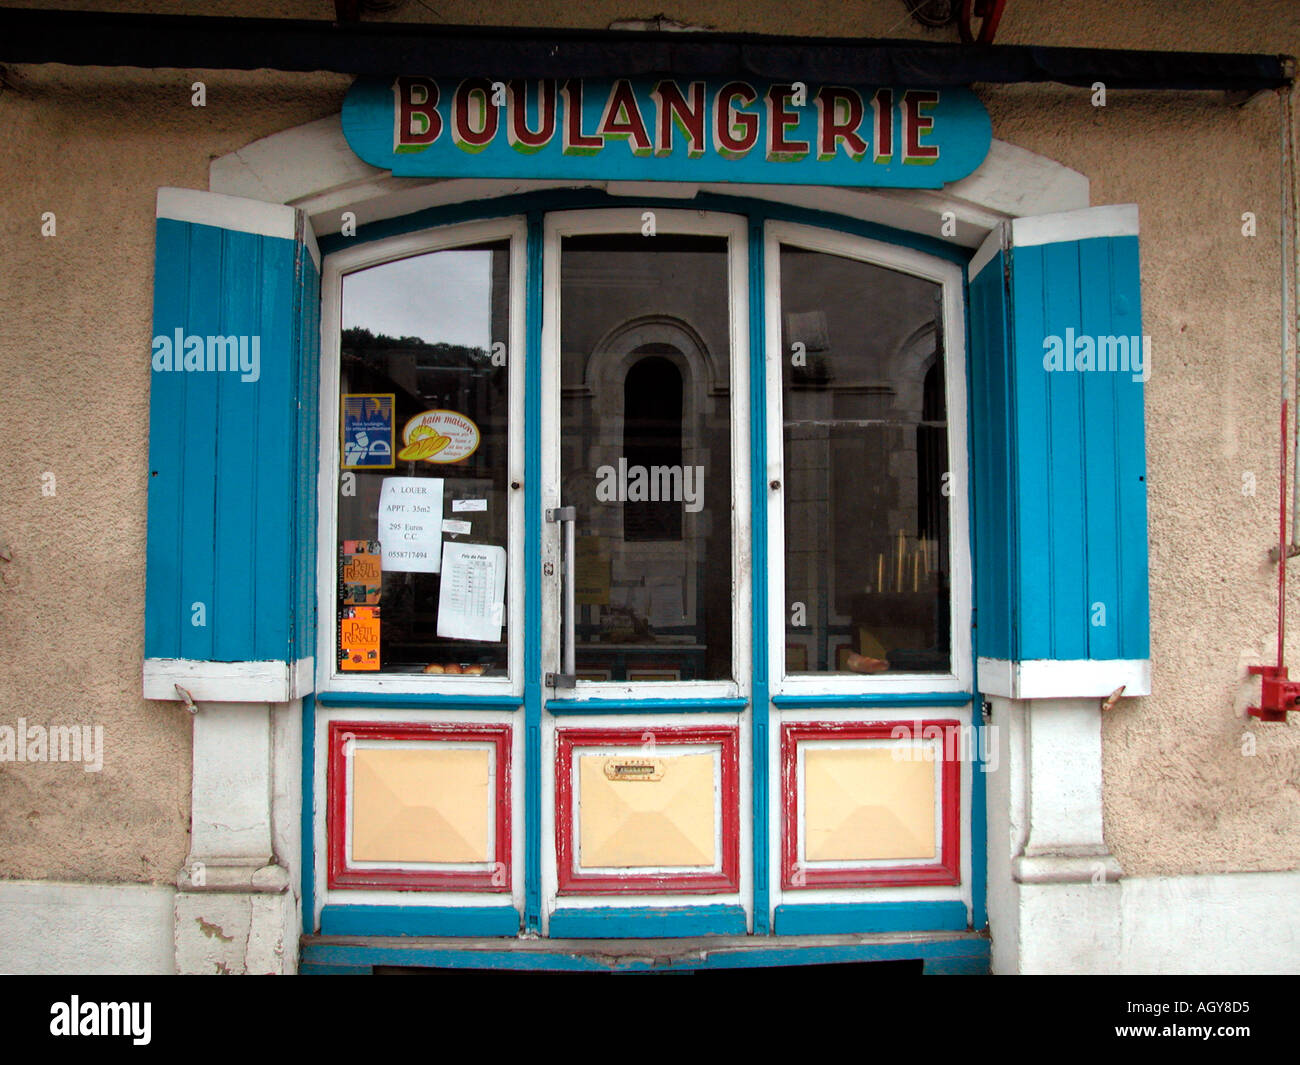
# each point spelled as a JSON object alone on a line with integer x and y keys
{"x": 866, "y": 450}
{"x": 645, "y": 339}
{"x": 418, "y": 382}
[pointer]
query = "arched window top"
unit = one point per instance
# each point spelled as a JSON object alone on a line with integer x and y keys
{"x": 652, "y": 436}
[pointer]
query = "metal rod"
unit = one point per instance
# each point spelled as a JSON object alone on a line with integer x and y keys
{"x": 1287, "y": 236}
{"x": 1291, "y": 288}
{"x": 1281, "y": 539}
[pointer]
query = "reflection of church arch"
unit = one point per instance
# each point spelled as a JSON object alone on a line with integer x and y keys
{"x": 605, "y": 375}
{"x": 643, "y": 539}
{"x": 652, "y": 436}
{"x": 908, "y": 367}
{"x": 912, "y": 465}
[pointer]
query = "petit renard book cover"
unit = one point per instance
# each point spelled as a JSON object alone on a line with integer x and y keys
{"x": 360, "y": 572}
{"x": 360, "y": 586}
{"x": 359, "y": 638}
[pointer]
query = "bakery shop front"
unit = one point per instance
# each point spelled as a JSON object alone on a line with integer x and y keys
{"x": 639, "y": 506}
{"x": 651, "y": 477}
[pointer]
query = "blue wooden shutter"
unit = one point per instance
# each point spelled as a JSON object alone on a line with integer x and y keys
{"x": 1058, "y": 454}
{"x": 231, "y": 451}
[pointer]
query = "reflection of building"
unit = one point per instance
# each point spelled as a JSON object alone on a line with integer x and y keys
{"x": 431, "y": 373}
{"x": 645, "y": 370}
{"x": 865, "y": 459}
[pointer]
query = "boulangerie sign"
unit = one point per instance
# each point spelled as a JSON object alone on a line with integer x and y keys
{"x": 668, "y": 129}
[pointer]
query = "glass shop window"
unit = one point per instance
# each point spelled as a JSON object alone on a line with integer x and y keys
{"x": 866, "y": 452}
{"x": 424, "y": 404}
{"x": 645, "y": 454}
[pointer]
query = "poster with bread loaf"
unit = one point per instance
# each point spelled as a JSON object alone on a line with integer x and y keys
{"x": 438, "y": 436}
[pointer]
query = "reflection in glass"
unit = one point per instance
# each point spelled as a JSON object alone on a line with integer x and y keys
{"x": 866, "y": 452}
{"x": 423, "y": 331}
{"x": 645, "y": 454}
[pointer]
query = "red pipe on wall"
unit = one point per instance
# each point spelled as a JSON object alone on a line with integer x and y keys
{"x": 988, "y": 10}
{"x": 1281, "y": 545}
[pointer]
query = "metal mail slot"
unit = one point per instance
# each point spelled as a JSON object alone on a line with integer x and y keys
{"x": 634, "y": 769}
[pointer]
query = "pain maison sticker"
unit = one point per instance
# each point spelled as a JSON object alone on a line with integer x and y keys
{"x": 439, "y": 436}
{"x": 668, "y": 130}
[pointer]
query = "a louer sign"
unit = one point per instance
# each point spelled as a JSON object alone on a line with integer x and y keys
{"x": 667, "y": 130}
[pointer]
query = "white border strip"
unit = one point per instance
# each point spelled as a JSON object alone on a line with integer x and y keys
{"x": 1120, "y": 220}
{"x": 227, "y": 212}
{"x": 1076, "y": 678}
{"x": 228, "y": 682}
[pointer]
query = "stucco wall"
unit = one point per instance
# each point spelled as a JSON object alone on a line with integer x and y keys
{"x": 92, "y": 146}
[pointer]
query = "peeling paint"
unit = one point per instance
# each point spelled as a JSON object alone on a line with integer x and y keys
{"x": 213, "y": 931}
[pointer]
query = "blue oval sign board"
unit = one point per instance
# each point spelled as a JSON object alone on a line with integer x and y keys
{"x": 668, "y": 130}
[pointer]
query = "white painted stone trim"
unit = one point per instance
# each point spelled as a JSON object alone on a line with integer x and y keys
{"x": 1053, "y": 895}
{"x": 1119, "y": 220}
{"x": 1015, "y": 182}
{"x": 1065, "y": 678}
{"x": 54, "y": 928}
{"x": 227, "y": 212}
{"x": 1214, "y": 923}
{"x": 228, "y": 682}
{"x": 313, "y": 168}
{"x": 289, "y": 166}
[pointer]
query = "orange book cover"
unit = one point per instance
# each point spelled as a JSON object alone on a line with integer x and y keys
{"x": 361, "y": 577}
{"x": 359, "y": 638}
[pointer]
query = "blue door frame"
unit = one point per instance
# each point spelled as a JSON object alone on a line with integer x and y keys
{"x": 944, "y": 953}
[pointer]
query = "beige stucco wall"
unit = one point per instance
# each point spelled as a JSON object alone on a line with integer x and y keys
{"x": 92, "y": 145}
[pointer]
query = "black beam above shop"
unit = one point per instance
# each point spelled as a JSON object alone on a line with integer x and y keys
{"x": 93, "y": 38}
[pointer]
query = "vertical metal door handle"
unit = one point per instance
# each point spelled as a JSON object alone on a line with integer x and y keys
{"x": 567, "y": 517}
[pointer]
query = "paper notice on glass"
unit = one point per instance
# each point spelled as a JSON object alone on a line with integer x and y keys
{"x": 410, "y": 524}
{"x": 471, "y": 604}
{"x": 666, "y": 604}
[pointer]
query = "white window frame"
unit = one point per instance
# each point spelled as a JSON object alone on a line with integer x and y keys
{"x": 334, "y": 269}
{"x": 949, "y": 277}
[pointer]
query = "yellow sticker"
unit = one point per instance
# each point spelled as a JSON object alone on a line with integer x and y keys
{"x": 440, "y": 436}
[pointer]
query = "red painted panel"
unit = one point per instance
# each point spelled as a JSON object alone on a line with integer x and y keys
{"x": 341, "y": 875}
{"x": 573, "y": 881}
{"x": 947, "y": 870}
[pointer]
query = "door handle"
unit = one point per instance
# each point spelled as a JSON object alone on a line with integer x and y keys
{"x": 566, "y": 517}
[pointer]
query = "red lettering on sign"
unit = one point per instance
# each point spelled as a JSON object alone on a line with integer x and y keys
{"x": 418, "y": 122}
{"x": 728, "y": 139}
